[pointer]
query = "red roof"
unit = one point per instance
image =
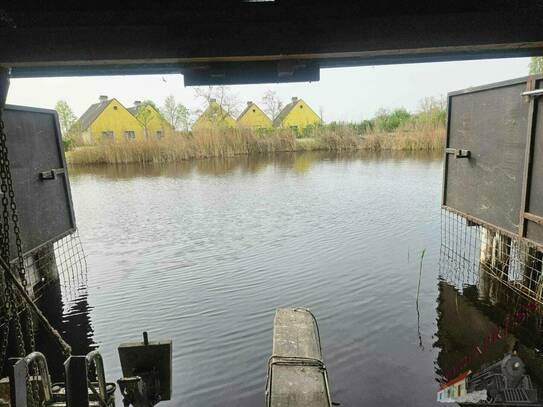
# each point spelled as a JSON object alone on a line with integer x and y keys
{"x": 457, "y": 379}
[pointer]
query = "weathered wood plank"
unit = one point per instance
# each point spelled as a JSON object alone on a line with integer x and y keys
{"x": 295, "y": 334}
{"x": 296, "y": 374}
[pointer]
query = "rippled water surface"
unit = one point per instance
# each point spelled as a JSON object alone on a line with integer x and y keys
{"x": 204, "y": 252}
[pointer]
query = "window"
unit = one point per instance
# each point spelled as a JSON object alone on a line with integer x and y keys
{"x": 108, "y": 135}
{"x": 301, "y": 106}
{"x": 114, "y": 107}
{"x": 159, "y": 134}
{"x": 254, "y": 110}
{"x": 129, "y": 135}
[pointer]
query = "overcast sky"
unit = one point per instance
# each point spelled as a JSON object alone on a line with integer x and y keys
{"x": 345, "y": 94}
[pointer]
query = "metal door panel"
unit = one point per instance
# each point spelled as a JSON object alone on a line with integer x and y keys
{"x": 490, "y": 122}
{"x": 44, "y": 205}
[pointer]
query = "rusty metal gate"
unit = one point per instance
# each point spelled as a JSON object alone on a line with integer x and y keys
{"x": 494, "y": 157}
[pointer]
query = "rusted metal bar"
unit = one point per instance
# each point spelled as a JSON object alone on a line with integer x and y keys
{"x": 95, "y": 358}
{"x": 533, "y": 218}
{"x": 528, "y": 157}
{"x": 13, "y": 388}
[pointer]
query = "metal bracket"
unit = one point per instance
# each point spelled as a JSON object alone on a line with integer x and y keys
{"x": 51, "y": 174}
{"x": 458, "y": 153}
{"x": 533, "y": 93}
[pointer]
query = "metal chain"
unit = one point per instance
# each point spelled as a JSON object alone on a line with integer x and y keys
{"x": 4, "y": 324}
{"x": 14, "y": 216}
{"x": 6, "y": 188}
{"x": 7, "y": 295}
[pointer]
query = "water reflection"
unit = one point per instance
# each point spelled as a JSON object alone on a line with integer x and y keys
{"x": 204, "y": 251}
{"x": 70, "y": 315}
{"x": 299, "y": 162}
{"x": 481, "y": 321}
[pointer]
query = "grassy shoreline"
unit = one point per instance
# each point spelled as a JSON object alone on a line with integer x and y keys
{"x": 229, "y": 143}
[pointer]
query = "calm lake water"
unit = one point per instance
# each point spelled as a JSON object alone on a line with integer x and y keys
{"x": 203, "y": 253}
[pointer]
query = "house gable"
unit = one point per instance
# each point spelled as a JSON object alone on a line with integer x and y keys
{"x": 114, "y": 123}
{"x": 155, "y": 124}
{"x": 297, "y": 114}
{"x": 213, "y": 117}
{"x": 254, "y": 117}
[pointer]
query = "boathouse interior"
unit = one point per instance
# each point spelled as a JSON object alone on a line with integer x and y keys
{"x": 251, "y": 41}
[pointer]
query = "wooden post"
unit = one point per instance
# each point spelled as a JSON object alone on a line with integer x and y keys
{"x": 531, "y": 259}
{"x": 41, "y": 268}
{"x": 77, "y": 393}
{"x": 501, "y": 251}
{"x": 485, "y": 261}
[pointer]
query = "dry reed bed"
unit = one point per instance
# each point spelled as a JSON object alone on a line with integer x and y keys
{"x": 230, "y": 143}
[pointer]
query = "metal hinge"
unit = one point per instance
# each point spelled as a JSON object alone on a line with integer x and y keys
{"x": 51, "y": 174}
{"x": 458, "y": 153}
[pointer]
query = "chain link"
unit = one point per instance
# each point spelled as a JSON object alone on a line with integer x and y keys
{"x": 4, "y": 324}
{"x": 7, "y": 295}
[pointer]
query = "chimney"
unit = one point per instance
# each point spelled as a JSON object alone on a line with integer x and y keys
{"x": 249, "y": 103}
{"x": 137, "y": 103}
{"x": 294, "y": 99}
{"x": 102, "y": 98}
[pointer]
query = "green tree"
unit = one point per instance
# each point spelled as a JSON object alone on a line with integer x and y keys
{"x": 536, "y": 65}
{"x": 176, "y": 114}
{"x": 145, "y": 115}
{"x": 388, "y": 121}
{"x": 66, "y": 116}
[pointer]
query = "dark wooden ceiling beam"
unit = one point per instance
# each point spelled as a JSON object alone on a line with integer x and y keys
{"x": 174, "y": 39}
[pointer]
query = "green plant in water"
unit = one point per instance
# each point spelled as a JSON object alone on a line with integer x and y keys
{"x": 420, "y": 272}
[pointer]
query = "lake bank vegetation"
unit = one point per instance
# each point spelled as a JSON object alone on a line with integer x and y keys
{"x": 396, "y": 130}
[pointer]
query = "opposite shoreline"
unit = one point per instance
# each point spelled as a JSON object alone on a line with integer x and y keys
{"x": 231, "y": 143}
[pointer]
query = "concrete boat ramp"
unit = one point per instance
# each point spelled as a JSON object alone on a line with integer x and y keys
{"x": 297, "y": 376}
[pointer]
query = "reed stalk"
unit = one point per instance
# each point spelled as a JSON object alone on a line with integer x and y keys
{"x": 232, "y": 142}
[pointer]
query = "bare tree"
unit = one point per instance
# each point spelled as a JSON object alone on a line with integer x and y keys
{"x": 227, "y": 100}
{"x": 430, "y": 103}
{"x": 271, "y": 103}
{"x": 176, "y": 114}
{"x": 432, "y": 110}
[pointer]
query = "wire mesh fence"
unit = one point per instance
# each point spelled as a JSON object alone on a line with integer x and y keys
{"x": 473, "y": 254}
{"x": 62, "y": 262}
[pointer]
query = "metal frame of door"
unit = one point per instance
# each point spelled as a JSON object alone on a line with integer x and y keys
{"x": 534, "y": 89}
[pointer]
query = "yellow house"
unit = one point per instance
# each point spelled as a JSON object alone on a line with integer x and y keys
{"x": 253, "y": 117}
{"x": 297, "y": 114}
{"x": 108, "y": 121}
{"x": 455, "y": 389}
{"x": 152, "y": 121}
{"x": 213, "y": 117}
